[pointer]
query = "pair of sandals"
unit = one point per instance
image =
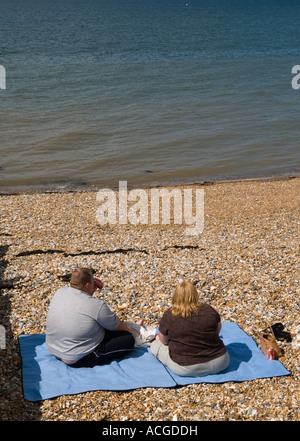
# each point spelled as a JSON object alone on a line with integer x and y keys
{"x": 280, "y": 334}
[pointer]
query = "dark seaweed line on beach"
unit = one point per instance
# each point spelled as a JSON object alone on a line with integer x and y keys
{"x": 80, "y": 253}
{"x": 66, "y": 277}
{"x": 91, "y": 252}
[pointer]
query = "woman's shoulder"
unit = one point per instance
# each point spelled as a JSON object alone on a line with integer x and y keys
{"x": 206, "y": 308}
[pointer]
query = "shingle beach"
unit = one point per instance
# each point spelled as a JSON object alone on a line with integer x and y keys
{"x": 245, "y": 264}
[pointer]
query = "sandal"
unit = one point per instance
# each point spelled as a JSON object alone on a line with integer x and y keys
{"x": 279, "y": 333}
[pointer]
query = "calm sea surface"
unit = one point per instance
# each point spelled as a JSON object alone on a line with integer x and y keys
{"x": 148, "y": 91}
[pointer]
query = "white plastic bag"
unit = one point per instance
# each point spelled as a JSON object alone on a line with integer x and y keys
{"x": 143, "y": 334}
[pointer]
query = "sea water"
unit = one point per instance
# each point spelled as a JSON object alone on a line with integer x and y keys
{"x": 147, "y": 91}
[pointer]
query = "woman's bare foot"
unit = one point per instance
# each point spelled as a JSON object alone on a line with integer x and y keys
{"x": 140, "y": 322}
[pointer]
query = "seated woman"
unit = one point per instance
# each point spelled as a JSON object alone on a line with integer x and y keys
{"x": 188, "y": 341}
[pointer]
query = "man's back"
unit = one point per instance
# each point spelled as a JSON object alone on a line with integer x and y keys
{"x": 75, "y": 323}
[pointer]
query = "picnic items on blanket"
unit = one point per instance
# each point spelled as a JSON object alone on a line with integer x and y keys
{"x": 267, "y": 341}
{"x": 268, "y": 337}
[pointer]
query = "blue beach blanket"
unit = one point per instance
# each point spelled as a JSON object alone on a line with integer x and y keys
{"x": 46, "y": 377}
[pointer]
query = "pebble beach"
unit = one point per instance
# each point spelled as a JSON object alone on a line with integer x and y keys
{"x": 245, "y": 264}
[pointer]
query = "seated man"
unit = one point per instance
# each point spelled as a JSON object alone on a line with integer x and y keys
{"x": 81, "y": 330}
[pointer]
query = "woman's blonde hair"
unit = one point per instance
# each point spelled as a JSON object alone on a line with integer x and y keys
{"x": 185, "y": 300}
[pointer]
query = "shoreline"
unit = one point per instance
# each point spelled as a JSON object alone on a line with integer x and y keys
{"x": 49, "y": 189}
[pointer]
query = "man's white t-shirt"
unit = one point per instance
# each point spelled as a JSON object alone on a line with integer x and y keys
{"x": 76, "y": 323}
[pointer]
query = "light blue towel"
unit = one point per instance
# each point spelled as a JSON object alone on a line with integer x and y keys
{"x": 45, "y": 377}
